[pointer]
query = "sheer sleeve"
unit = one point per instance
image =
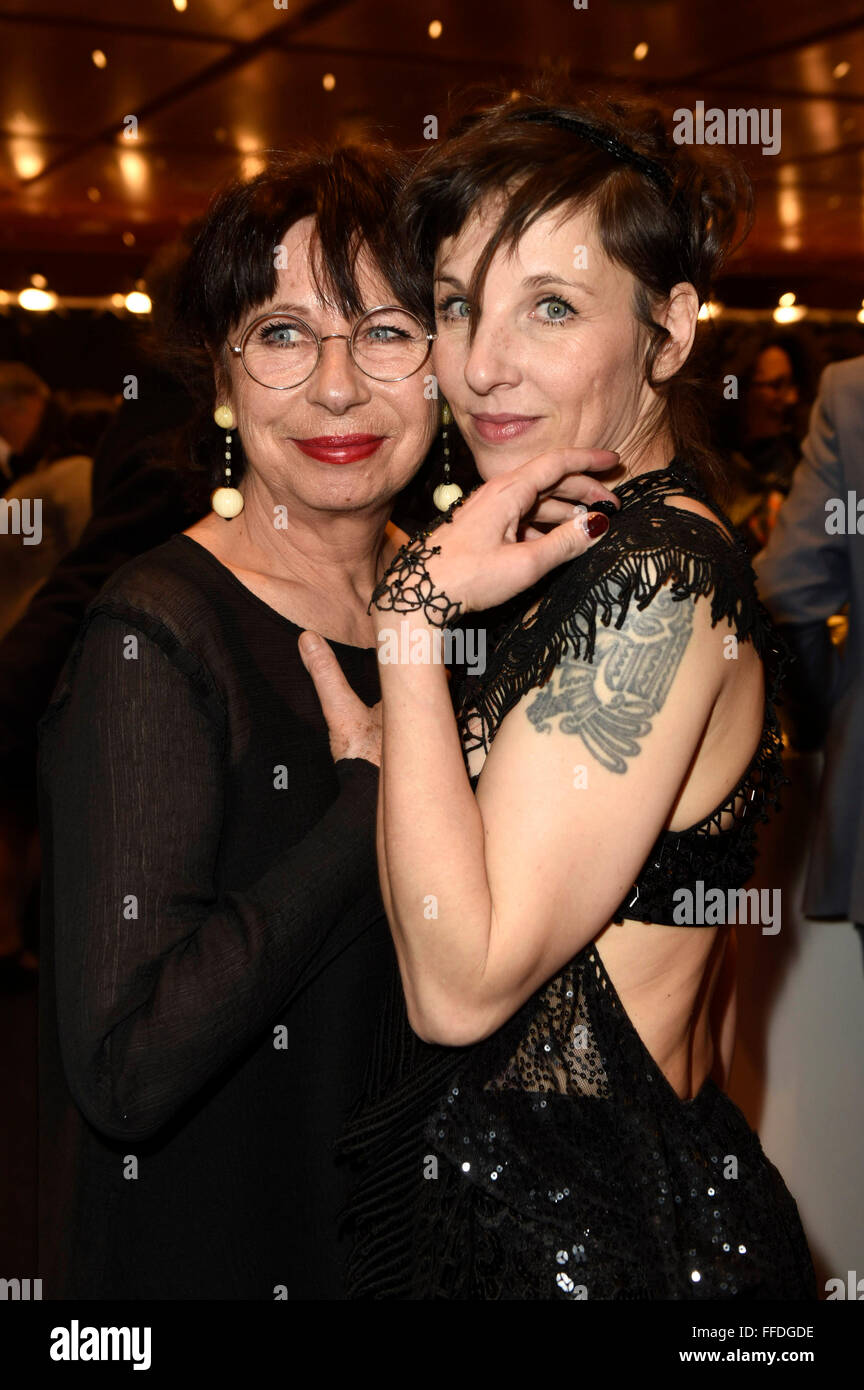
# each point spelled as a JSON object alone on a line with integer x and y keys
{"x": 162, "y": 979}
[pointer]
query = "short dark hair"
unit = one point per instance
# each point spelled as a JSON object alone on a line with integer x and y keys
{"x": 231, "y": 268}
{"x": 679, "y": 225}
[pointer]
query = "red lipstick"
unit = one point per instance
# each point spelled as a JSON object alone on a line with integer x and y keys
{"x": 340, "y": 448}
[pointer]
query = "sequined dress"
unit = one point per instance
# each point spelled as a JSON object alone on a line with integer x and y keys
{"x": 554, "y": 1160}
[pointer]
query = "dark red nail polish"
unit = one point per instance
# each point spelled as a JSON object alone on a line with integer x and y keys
{"x": 596, "y": 524}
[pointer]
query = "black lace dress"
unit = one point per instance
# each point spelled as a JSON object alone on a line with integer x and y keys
{"x": 554, "y": 1160}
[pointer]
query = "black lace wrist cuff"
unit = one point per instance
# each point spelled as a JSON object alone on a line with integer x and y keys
{"x": 407, "y": 587}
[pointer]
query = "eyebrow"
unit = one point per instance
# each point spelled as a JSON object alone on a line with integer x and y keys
{"x": 548, "y": 277}
{"x": 298, "y": 309}
{"x": 533, "y": 282}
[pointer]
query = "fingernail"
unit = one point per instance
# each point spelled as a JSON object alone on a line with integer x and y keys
{"x": 308, "y": 642}
{"x": 595, "y": 524}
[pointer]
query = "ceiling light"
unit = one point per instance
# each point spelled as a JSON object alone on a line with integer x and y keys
{"x": 39, "y": 301}
{"x": 789, "y": 313}
{"x": 98, "y": 58}
{"x": 138, "y": 303}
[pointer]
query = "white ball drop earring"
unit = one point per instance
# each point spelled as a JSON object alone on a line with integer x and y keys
{"x": 448, "y": 492}
{"x": 226, "y": 501}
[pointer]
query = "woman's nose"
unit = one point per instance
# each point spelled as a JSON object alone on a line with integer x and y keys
{"x": 337, "y": 381}
{"x": 492, "y": 358}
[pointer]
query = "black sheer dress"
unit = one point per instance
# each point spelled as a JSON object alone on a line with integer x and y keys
{"x": 214, "y": 947}
{"x": 554, "y": 1160}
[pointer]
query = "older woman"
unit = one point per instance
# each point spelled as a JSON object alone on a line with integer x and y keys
{"x": 547, "y": 858}
{"x": 214, "y": 931}
{"x": 214, "y": 935}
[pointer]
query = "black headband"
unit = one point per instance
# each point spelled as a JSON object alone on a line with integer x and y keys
{"x": 649, "y": 167}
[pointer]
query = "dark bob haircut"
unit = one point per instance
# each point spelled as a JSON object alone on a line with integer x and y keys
{"x": 231, "y": 269}
{"x": 680, "y": 222}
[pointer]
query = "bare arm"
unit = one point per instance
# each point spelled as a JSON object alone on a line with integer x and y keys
{"x": 529, "y": 871}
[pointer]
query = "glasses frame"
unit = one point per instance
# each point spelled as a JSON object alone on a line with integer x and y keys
{"x": 240, "y": 349}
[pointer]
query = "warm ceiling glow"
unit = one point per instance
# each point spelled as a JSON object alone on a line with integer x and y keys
{"x": 118, "y": 300}
{"x": 135, "y": 170}
{"x": 710, "y": 309}
{"x": 98, "y": 58}
{"x": 128, "y": 238}
{"x": 180, "y": 4}
{"x": 250, "y": 165}
{"x": 786, "y": 299}
{"x": 27, "y": 162}
{"x": 436, "y": 29}
{"x": 138, "y": 303}
{"x": 842, "y": 69}
{"x": 640, "y": 52}
{"x": 246, "y": 142}
{"x": 860, "y": 316}
{"x": 789, "y": 313}
{"x": 94, "y": 195}
{"x": 39, "y": 301}
{"x": 789, "y": 209}
{"x": 328, "y": 81}
{"x": 38, "y": 282}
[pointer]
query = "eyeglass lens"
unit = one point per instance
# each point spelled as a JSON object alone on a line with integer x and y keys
{"x": 387, "y": 344}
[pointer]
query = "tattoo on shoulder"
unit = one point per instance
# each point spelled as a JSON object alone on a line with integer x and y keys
{"x": 611, "y": 702}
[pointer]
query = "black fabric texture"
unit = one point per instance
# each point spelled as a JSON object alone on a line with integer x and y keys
{"x": 214, "y": 946}
{"x": 554, "y": 1160}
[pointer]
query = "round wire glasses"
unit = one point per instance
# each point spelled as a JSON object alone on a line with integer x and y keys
{"x": 279, "y": 350}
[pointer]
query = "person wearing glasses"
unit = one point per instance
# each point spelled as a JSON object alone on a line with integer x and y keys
{"x": 215, "y": 951}
{"x": 761, "y": 431}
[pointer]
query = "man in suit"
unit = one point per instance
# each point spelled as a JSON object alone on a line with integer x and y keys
{"x": 812, "y": 566}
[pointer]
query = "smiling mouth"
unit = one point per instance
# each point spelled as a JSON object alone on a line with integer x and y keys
{"x": 499, "y": 429}
{"x": 340, "y": 448}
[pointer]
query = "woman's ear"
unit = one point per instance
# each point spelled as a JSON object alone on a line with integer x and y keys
{"x": 678, "y": 316}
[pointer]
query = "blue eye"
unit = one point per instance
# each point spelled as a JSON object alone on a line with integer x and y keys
{"x": 559, "y": 310}
{"x": 281, "y": 333}
{"x": 453, "y": 309}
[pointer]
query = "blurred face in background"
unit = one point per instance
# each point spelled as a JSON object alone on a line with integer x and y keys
{"x": 20, "y": 418}
{"x": 773, "y": 393}
{"x": 340, "y": 440}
